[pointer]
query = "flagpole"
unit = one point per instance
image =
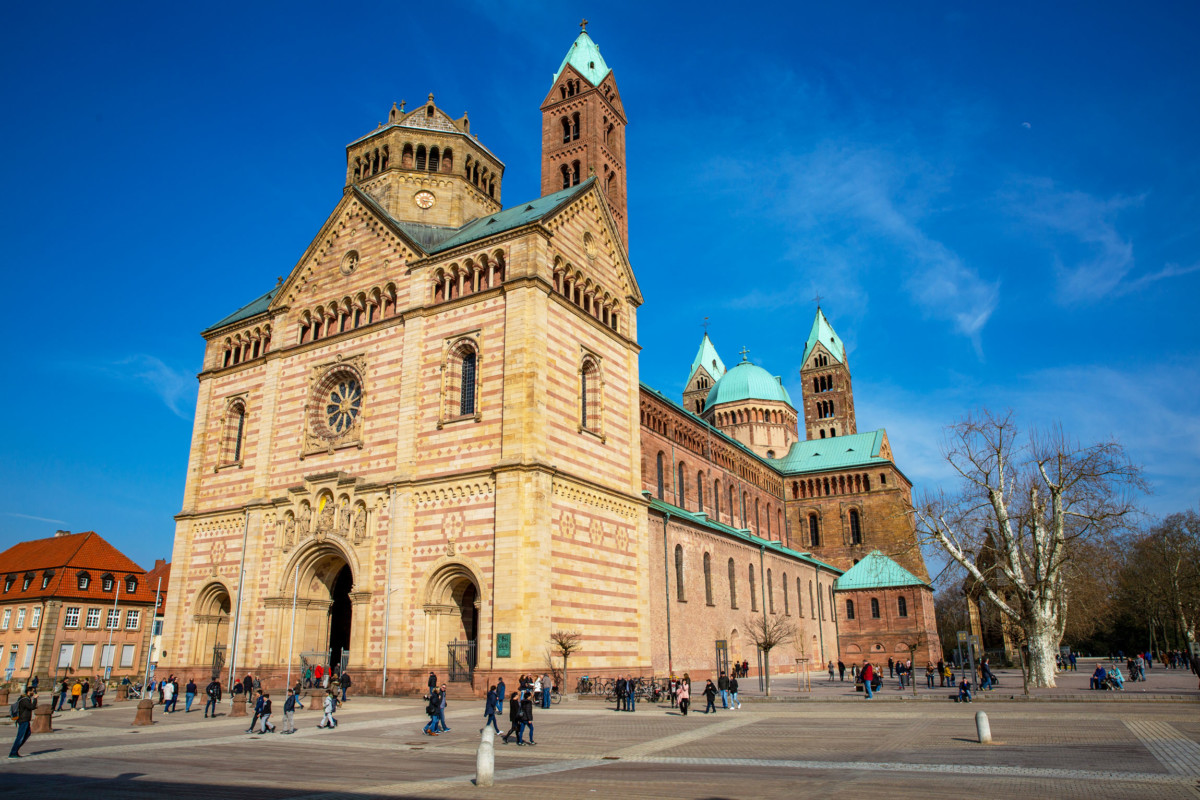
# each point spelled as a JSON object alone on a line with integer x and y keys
{"x": 150, "y": 644}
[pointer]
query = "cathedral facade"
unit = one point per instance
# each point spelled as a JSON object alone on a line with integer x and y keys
{"x": 428, "y": 448}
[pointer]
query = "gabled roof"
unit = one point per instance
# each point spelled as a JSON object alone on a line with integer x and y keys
{"x": 251, "y": 309}
{"x": 819, "y": 455}
{"x": 584, "y": 56}
{"x": 510, "y": 218}
{"x": 877, "y": 571}
{"x": 824, "y": 333}
{"x": 702, "y": 519}
{"x": 62, "y": 558}
{"x": 707, "y": 357}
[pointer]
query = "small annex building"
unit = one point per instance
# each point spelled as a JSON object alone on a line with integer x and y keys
{"x": 886, "y": 612}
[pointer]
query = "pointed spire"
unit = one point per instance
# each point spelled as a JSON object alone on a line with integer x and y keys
{"x": 585, "y": 57}
{"x": 707, "y": 357}
{"x": 824, "y": 333}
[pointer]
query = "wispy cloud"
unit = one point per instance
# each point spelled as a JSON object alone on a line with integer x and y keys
{"x": 176, "y": 388}
{"x": 32, "y": 517}
{"x": 1169, "y": 271}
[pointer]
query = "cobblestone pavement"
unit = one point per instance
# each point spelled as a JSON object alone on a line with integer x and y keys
{"x": 585, "y": 749}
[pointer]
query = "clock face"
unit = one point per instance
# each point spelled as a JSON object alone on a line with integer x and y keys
{"x": 424, "y": 199}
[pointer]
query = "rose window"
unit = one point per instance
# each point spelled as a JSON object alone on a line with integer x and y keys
{"x": 342, "y": 404}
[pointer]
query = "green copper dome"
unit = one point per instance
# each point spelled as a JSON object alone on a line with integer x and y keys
{"x": 747, "y": 381}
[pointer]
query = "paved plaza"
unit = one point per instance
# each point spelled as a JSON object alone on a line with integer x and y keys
{"x": 830, "y": 746}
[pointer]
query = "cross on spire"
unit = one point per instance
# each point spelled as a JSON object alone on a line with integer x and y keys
{"x": 705, "y": 326}
{"x": 583, "y": 26}
{"x": 745, "y": 352}
{"x": 817, "y": 300}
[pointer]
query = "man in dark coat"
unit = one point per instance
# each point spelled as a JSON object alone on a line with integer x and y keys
{"x": 710, "y": 697}
{"x": 526, "y": 720}
{"x": 25, "y": 706}
{"x": 213, "y": 690}
{"x": 345, "y": 684}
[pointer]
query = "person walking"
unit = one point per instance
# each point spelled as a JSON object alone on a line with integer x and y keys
{"x": 733, "y": 694}
{"x": 345, "y": 684}
{"x": 723, "y": 686}
{"x": 443, "y": 727}
{"x": 267, "y": 727}
{"x": 526, "y": 720}
{"x": 431, "y": 710}
{"x": 831, "y": 671}
{"x": 547, "y": 687}
{"x": 248, "y": 686}
{"x": 432, "y": 683}
{"x": 169, "y": 696}
{"x": 630, "y": 693}
{"x": 868, "y": 675}
{"x": 289, "y": 712}
{"x": 258, "y": 707}
{"x": 619, "y": 690}
{"x": 710, "y": 697}
{"x": 329, "y": 707}
{"x": 489, "y": 710}
{"x": 26, "y": 703}
{"x": 514, "y": 716}
{"x": 61, "y": 699}
{"x": 500, "y": 696}
{"x": 682, "y": 695}
{"x": 213, "y": 691}
{"x": 189, "y": 695}
{"x": 841, "y": 671}
{"x": 929, "y": 674}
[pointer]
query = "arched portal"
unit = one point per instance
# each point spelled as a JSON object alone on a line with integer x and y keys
{"x": 324, "y": 606}
{"x": 452, "y": 620}
{"x": 212, "y": 627}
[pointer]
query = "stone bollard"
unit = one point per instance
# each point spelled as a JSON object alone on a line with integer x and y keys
{"x": 239, "y": 706}
{"x": 485, "y": 759}
{"x": 983, "y": 728}
{"x": 41, "y": 719}
{"x": 145, "y": 713}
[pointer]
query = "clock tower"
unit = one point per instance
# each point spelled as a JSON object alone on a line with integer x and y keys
{"x": 583, "y": 129}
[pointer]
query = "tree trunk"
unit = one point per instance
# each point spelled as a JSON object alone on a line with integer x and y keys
{"x": 562, "y": 690}
{"x": 767, "y": 671}
{"x": 1043, "y": 646}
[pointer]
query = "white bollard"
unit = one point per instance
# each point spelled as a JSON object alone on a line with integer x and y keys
{"x": 485, "y": 759}
{"x": 983, "y": 728}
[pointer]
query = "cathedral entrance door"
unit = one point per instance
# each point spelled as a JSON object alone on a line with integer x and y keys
{"x": 452, "y": 621}
{"x": 341, "y": 614}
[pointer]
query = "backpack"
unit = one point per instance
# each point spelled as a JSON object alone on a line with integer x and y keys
{"x": 15, "y": 709}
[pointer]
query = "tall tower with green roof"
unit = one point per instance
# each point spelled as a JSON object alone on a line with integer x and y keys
{"x": 583, "y": 128}
{"x": 707, "y": 369}
{"x": 825, "y": 378}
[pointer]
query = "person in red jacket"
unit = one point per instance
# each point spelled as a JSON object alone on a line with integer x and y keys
{"x": 868, "y": 674}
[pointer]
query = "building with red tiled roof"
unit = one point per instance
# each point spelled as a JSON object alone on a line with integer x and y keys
{"x": 72, "y": 604}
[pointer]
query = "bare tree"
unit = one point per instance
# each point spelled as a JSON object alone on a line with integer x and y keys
{"x": 768, "y": 633}
{"x": 1026, "y": 509}
{"x": 1160, "y": 581}
{"x": 565, "y": 643}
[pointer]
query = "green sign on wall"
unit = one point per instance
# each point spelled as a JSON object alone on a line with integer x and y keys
{"x": 503, "y": 645}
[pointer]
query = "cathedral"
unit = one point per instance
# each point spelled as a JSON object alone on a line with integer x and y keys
{"x": 428, "y": 447}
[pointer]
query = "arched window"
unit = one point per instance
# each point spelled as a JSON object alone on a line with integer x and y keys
{"x": 874, "y": 608}
{"x": 855, "y": 528}
{"x": 820, "y": 601}
{"x": 589, "y": 395}
{"x": 812, "y": 606}
{"x": 717, "y": 501}
{"x": 566, "y": 177}
{"x": 732, "y": 585}
{"x": 700, "y": 490}
{"x": 708, "y": 579}
{"x": 849, "y": 609}
{"x": 566, "y": 126}
{"x": 235, "y": 432}
{"x": 770, "y": 593}
{"x": 786, "y": 609}
{"x": 681, "y": 489}
{"x": 902, "y": 606}
{"x": 680, "y": 595}
{"x": 462, "y": 380}
{"x": 814, "y": 531}
{"x": 757, "y": 527}
{"x": 753, "y": 591}
{"x": 574, "y": 173}
{"x": 732, "y": 507}
{"x": 660, "y": 476}
{"x": 575, "y": 125}
{"x": 421, "y": 156}
{"x": 435, "y": 159}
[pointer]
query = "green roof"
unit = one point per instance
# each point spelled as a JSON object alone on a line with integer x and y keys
{"x": 877, "y": 571}
{"x": 702, "y": 519}
{"x": 707, "y": 357}
{"x": 585, "y": 57}
{"x": 824, "y": 333}
{"x": 838, "y": 452}
{"x": 747, "y": 381}
{"x": 251, "y": 309}
{"x": 510, "y": 218}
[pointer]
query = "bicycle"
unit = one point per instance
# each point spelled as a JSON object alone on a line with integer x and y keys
{"x": 585, "y": 685}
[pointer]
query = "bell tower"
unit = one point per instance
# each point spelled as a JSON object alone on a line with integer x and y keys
{"x": 583, "y": 129}
{"x": 825, "y": 378}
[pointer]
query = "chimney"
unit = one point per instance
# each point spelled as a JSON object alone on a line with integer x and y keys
{"x": 158, "y": 562}
{"x": 61, "y": 533}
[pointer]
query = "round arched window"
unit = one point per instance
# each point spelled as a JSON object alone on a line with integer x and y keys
{"x": 337, "y": 404}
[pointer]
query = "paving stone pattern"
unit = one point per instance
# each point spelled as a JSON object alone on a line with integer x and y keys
{"x": 831, "y": 749}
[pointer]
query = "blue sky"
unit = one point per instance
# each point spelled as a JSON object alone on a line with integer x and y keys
{"x": 999, "y": 206}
